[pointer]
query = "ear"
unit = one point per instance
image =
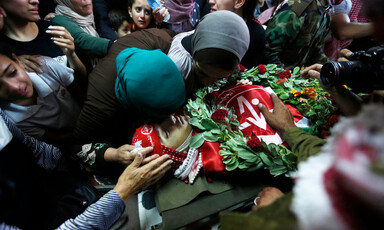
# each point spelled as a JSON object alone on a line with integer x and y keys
{"x": 239, "y": 4}
{"x": 130, "y": 11}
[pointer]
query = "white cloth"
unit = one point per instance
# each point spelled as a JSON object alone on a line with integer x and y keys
{"x": 5, "y": 134}
{"x": 180, "y": 56}
{"x": 55, "y": 107}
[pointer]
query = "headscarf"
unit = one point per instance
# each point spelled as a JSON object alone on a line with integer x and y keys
{"x": 149, "y": 82}
{"x": 146, "y": 136}
{"x": 87, "y": 23}
{"x": 222, "y": 29}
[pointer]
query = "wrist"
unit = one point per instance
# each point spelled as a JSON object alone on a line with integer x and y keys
{"x": 110, "y": 154}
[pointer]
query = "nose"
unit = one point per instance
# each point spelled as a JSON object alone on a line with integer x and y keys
{"x": 34, "y": 1}
{"x": 212, "y": 2}
{"x": 141, "y": 15}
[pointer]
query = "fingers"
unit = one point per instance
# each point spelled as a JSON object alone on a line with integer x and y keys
{"x": 314, "y": 74}
{"x": 345, "y": 53}
{"x": 315, "y": 67}
{"x": 136, "y": 162}
{"x": 155, "y": 11}
{"x": 31, "y": 63}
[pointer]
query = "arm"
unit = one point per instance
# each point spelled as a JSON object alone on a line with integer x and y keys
{"x": 91, "y": 45}
{"x": 64, "y": 40}
{"x": 281, "y": 119}
{"x": 283, "y": 27}
{"x": 343, "y": 29}
{"x": 135, "y": 178}
{"x": 47, "y": 156}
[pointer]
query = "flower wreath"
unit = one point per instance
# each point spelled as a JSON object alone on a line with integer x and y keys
{"x": 220, "y": 124}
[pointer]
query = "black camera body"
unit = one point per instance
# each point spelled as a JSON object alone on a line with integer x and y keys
{"x": 363, "y": 73}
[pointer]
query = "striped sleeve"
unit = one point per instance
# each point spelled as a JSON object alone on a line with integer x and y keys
{"x": 100, "y": 215}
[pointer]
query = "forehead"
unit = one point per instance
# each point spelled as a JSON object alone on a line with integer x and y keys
{"x": 140, "y": 3}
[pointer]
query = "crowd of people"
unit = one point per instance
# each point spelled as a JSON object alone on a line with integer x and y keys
{"x": 96, "y": 87}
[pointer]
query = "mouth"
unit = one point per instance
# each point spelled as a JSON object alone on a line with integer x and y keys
{"x": 23, "y": 91}
{"x": 34, "y": 11}
{"x": 213, "y": 10}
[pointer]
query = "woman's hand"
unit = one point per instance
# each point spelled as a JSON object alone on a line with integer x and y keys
{"x": 31, "y": 63}
{"x": 62, "y": 38}
{"x": 137, "y": 177}
{"x": 160, "y": 14}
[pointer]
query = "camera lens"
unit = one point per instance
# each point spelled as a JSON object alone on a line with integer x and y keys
{"x": 329, "y": 74}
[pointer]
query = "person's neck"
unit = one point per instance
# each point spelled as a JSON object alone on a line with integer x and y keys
{"x": 21, "y": 31}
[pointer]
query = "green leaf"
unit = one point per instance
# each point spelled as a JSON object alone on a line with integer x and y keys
{"x": 208, "y": 136}
{"x": 225, "y": 153}
{"x": 197, "y": 141}
{"x": 232, "y": 167}
{"x": 215, "y": 131}
{"x": 278, "y": 170}
{"x": 244, "y": 154}
{"x": 208, "y": 124}
{"x": 196, "y": 122}
{"x": 257, "y": 167}
{"x": 265, "y": 159}
{"x": 296, "y": 70}
{"x": 284, "y": 96}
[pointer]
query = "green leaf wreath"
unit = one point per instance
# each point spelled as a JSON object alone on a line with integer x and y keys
{"x": 219, "y": 124}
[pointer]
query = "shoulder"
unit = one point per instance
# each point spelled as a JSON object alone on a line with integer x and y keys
{"x": 344, "y": 7}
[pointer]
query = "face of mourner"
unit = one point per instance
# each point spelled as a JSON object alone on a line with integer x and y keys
{"x": 174, "y": 131}
{"x": 21, "y": 9}
{"x": 15, "y": 84}
{"x": 82, "y": 7}
{"x": 141, "y": 14}
{"x": 208, "y": 74}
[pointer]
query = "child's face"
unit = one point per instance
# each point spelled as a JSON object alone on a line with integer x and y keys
{"x": 174, "y": 131}
{"x": 141, "y": 13}
{"x": 124, "y": 29}
{"x": 15, "y": 83}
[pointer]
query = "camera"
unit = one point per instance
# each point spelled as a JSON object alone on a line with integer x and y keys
{"x": 363, "y": 73}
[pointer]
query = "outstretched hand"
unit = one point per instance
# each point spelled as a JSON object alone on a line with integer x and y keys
{"x": 281, "y": 118}
{"x": 62, "y": 38}
{"x": 160, "y": 14}
{"x": 137, "y": 177}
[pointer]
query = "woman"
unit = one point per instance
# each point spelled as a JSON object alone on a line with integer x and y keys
{"x": 245, "y": 9}
{"x": 211, "y": 51}
{"x": 143, "y": 16}
{"x": 77, "y": 17}
{"x": 28, "y": 36}
{"x": 41, "y": 104}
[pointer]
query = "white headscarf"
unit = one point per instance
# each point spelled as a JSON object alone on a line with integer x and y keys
{"x": 87, "y": 23}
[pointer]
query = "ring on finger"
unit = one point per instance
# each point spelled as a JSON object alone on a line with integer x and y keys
{"x": 255, "y": 200}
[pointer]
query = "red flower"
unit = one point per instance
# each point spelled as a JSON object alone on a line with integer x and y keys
{"x": 284, "y": 74}
{"x": 261, "y": 68}
{"x": 213, "y": 96}
{"x": 241, "y": 67}
{"x": 254, "y": 143}
{"x": 281, "y": 81}
{"x": 331, "y": 121}
{"x": 219, "y": 115}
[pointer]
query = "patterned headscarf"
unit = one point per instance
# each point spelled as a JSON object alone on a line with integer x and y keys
{"x": 87, "y": 23}
{"x": 222, "y": 29}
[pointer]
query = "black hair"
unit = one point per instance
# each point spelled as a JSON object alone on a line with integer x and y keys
{"x": 117, "y": 17}
{"x": 249, "y": 9}
{"x": 6, "y": 51}
{"x": 217, "y": 57}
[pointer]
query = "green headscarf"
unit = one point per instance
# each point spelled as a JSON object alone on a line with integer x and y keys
{"x": 149, "y": 82}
